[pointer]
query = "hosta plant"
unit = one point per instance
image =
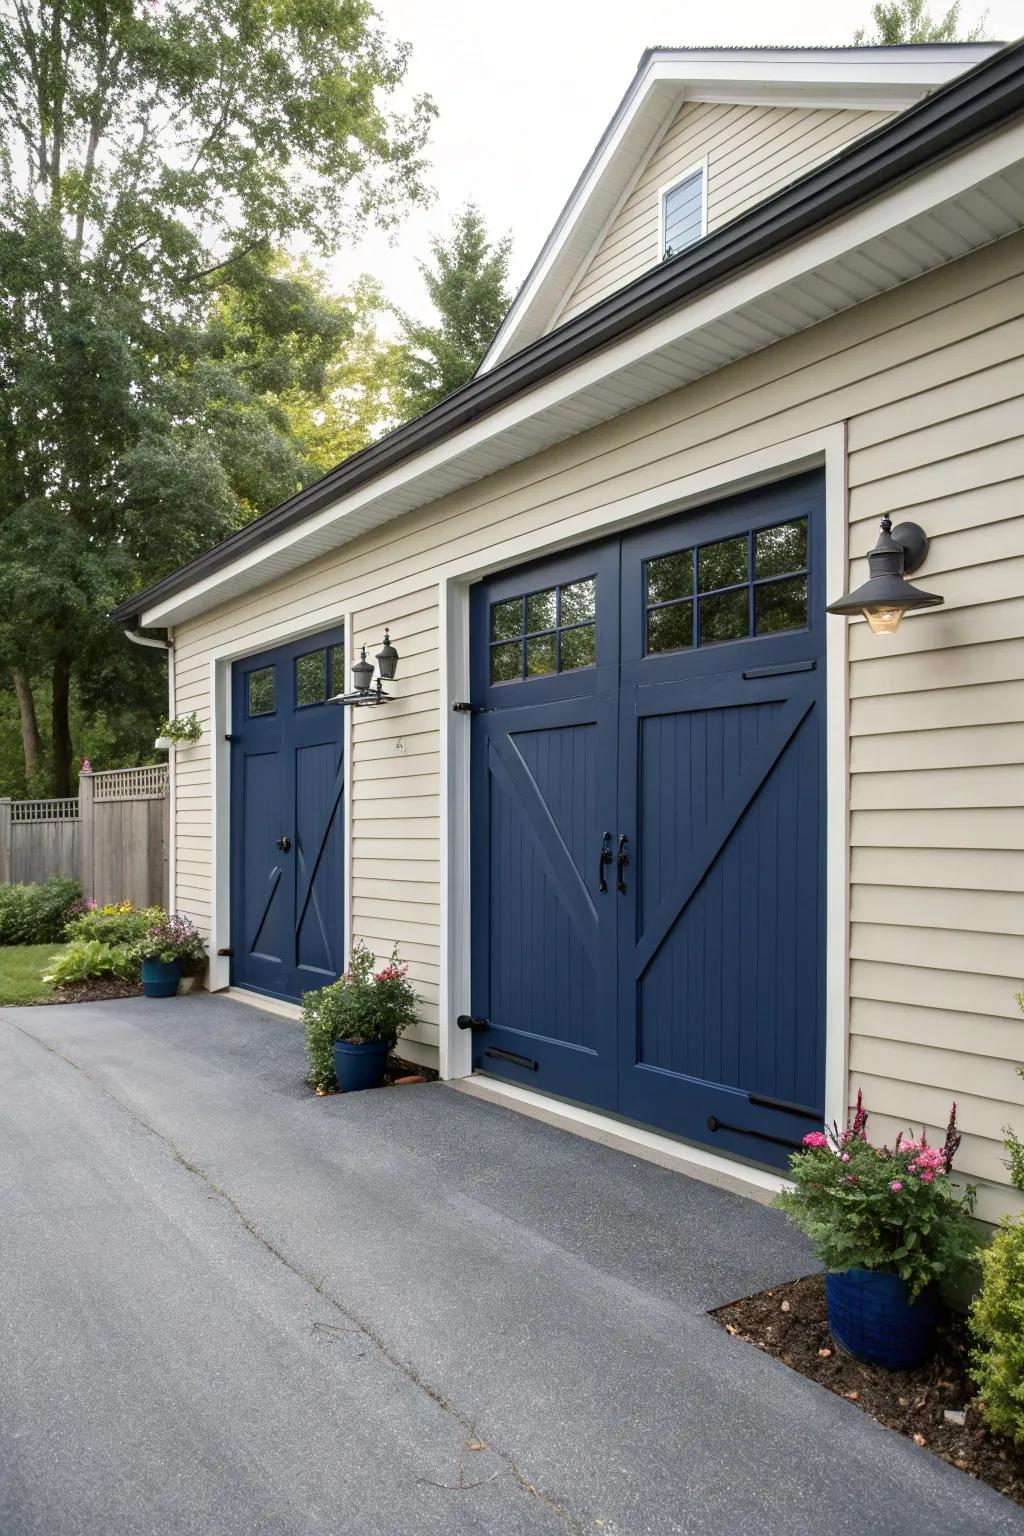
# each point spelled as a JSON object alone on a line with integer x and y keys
{"x": 91, "y": 960}
{"x": 997, "y": 1316}
{"x": 892, "y": 1209}
{"x": 363, "y": 1005}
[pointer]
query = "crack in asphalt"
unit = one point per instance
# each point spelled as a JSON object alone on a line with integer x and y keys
{"x": 318, "y": 1285}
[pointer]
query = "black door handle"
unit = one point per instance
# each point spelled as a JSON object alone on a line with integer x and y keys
{"x": 622, "y": 859}
{"x": 284, "y": 843}
{"x": 605, "y": 859}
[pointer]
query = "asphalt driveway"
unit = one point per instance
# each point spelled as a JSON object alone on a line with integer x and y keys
{"x": 228, "y": 1306}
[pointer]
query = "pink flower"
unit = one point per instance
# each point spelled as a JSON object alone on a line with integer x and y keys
{"x": 895, "y": 1186}
{"x": 815, "y": 1139}
{"x": 851, "y": 1178}
{"x": 927, "y": 1176}
{"x": 845, "y": 1157}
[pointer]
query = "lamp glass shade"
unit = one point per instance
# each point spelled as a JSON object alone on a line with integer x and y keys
{"x": 387, "y": 659}
{"x": 362, "y": 672}
{"x": 884, "y": 621}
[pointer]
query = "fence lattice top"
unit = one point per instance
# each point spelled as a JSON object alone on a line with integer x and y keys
{"x": 44, "y": 810}
{"x": 131, "y": 783}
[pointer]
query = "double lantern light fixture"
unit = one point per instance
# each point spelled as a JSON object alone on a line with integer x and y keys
{"x": 362, "y": 677}
{"x": 886, "y": 595}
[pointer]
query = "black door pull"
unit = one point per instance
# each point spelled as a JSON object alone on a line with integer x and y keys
{"x": 605, "y": 859}
{"x": 284, "y": 843}
{"x": 622, "y": 859}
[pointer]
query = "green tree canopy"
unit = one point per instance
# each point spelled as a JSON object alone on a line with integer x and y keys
{"x": 152, "y": 156}
{"x": 907, "y": 21}
{"x": 467, "y": 281}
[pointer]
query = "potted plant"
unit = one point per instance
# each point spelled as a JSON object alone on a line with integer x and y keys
{"x": 168, "y": 944}
{"x": 889, "y": 1227}
{"x": 353, "y": 1024}
{"x": 182, "y": 728}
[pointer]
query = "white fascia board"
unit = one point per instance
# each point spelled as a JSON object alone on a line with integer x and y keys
{"x": 346, "y": 519}
{"x": 859, "y": 79}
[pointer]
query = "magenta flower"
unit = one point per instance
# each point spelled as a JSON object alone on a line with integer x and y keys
{"x": 845, "y": 1157}
{"x": 927, "y": 1176}
{"x": 815, "y": 1139}
{"x": 895, "y": 1186}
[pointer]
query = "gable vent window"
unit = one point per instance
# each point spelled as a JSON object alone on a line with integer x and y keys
{"x": 683, "y": 213}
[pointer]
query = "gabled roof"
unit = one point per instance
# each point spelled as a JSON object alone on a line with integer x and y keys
{"x": 783, "y": 265}
{"x": 870, "y": 78}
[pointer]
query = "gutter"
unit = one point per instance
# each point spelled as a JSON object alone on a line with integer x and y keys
{"x": 953, "y": 117}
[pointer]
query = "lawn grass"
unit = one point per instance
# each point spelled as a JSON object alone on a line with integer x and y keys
{"x": 21, "y": 973}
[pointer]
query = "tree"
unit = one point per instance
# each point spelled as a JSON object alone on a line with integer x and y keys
{"x": 907, "y": 21}
{"x": 468, "y": 287}
{"x": 152, "y": 157}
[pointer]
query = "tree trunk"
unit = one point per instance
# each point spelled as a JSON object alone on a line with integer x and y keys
{"x": 61, "y": 723}
{"x": 31, "y": 743}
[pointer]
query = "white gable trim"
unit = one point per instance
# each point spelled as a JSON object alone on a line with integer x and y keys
{"x": 886, "y": 79}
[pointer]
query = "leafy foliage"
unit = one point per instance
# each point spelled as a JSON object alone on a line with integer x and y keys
{"x": 91, "y": 960}
{"x": 997, "y": 1315}
{"x": 170, "y": 937}
{"x": 181, "y": 728}
{"x": 907, "y": 21}
{"x": 157, "y": 155}
{"x": 362, "y": 1005}
{"x": 881, "y": 1208}
{"x": 118, "y": 923}
{"x": 36, "y": 914}
{"x": 468, "y": 287}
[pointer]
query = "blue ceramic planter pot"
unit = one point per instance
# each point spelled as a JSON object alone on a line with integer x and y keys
{"x": 160, "y": 977}
{"x": 360, "y": 1064}
{"x": 870, "y": 1317}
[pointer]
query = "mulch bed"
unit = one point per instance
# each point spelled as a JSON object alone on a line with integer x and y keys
{"x": 89, "y": 992}
{"x": 911, "y": 1402}
{"x": 396, "y": 1073}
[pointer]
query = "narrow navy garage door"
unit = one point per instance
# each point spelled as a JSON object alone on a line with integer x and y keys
{"x": 648, "y": 823}
{"x": 287, "y": 783}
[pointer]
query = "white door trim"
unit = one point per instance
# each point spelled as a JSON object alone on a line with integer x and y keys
{"x": 825, "y": 448}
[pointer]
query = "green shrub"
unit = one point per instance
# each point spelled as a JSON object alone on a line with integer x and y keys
{"x": 90, "y": 960}
{"x": 363, "y": 1005}
{"x": 118, "y": 923}
{"x": 997, "y": 1316}
{"x": 36, "y": 914}
{"x": 882, "y": 1208}
{"x": 169, "y": 936}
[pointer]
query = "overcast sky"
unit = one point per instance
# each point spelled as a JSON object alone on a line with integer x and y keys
{"x": 525, "y": 91}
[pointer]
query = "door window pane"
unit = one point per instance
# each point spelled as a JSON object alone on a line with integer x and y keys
{"x": 540, "y": 611}
{"x": 507, "y": 619}
{"x": 577, "y": 648}
{"x": 577, "y": 602}
{"x": 670, "y": 629}
{"x": 540, "y": 655}
{"x": 670, "y": 577}
{"x": 507, "y": 662}
{"x": 780, "y": 550}
{"x": 311, "y": 678}
{"x": 780, "y": 605}
{"x": 725, "y": 617}
{"x": 338, "y": 668}
{"x": 260, "y": 692}
{"x": 723, "y": 564}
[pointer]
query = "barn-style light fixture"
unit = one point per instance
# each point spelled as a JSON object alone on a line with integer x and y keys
{"x": 362, "y": 676}
{"x": 886, "y": 596}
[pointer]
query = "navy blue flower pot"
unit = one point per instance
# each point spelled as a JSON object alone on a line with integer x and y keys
{"x": 160, "y": 977}
{"x": 360, "y": 1064}
{"x": 870, "y": 1317}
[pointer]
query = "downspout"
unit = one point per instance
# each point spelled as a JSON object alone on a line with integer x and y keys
{"x": 172, "y": 817}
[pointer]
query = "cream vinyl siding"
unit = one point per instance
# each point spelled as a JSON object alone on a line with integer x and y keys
{"x": 930, "y": 381}
{"x": 751, "y": 153}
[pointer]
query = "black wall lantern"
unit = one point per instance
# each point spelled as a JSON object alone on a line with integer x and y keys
{"x": 362, "y": 676}
{"x": 886, "y": 596}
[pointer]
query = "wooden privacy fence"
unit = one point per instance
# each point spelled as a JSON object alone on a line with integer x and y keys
{"x": 113, "y": 837}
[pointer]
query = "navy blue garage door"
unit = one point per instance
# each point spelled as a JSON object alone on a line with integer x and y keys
{"x": 648, "y": 812}
{"x": 287, "y": 850}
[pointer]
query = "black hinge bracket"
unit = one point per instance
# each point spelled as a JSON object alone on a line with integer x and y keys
{"x": 232, "y": 738}
{"x": 228, "y": 954}
{"x": 802, "y": 1110}
{"x": 519, "y": 1061}
{"x": 714, "y": 1124}
{"x": 463, "y": 707}
{"x": 466, "y": 1021}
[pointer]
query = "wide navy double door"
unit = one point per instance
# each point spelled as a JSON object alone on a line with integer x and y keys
{"x": 648, "y": 809}
{"x": 287, "y": 829}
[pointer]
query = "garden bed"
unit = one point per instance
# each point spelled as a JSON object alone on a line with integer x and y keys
{"x": 396, "y": 1071}
{"x": 790, "y": 1322}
